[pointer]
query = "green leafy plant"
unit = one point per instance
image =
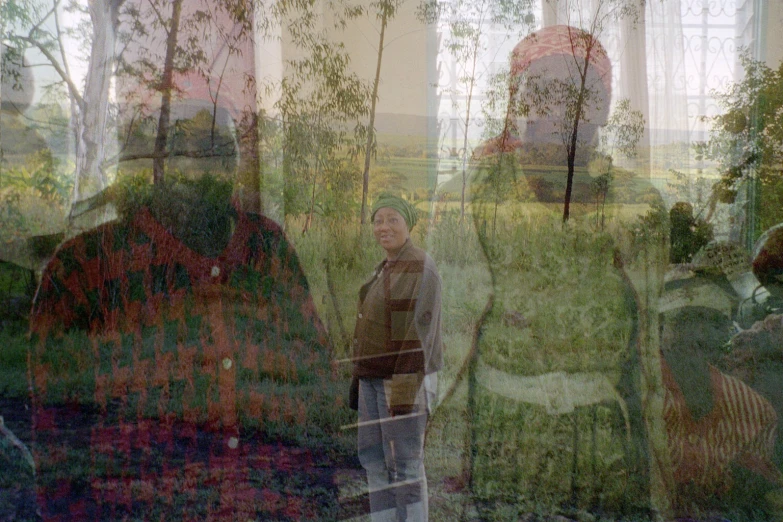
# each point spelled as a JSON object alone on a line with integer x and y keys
{"x": 747, "y": 142}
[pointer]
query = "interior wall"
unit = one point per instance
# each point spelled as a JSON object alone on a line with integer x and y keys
{"x": 774, "y": 36}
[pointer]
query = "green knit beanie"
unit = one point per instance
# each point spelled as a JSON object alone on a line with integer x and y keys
{"x": 406, "y": 210}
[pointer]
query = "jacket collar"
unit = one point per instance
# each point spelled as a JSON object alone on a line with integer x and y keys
{"x": 403, "y": 250}
{"x": 406, "y": 247}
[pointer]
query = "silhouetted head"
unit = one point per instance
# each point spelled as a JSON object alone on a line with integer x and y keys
{"x": 549, "y": 69}
{"x": 768, "y": 260}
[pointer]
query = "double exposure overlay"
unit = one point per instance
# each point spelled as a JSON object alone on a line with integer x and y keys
{"x": 391, "y": 260}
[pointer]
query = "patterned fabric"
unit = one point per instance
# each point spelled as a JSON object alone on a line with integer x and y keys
{"x": 175, "y": 359}
{"x": 17, "y": 478}
{"x": 740, "y": 429}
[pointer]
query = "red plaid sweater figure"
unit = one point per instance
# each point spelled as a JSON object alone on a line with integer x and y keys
{"x": 740, "y": 429}
{"x": 718, "y": 428}
{"x": 173, "y": 358}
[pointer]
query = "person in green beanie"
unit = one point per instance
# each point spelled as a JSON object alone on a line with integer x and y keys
{"x": 397, "y": 352}
{"x": 405, "y": 209}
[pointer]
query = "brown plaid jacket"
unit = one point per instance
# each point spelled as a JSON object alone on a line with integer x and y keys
{"x": 398, "y": 321}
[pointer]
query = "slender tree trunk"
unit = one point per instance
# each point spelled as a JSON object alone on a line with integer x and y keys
{"x": 316, "y": 171}
{"x": 574, "y": 138}
{"x": 311, "y": 211}
{"x": 249, "y": 171}
{"x": 371, "y": 129}
{"x": 465, "y": 136}
{"x": 215, "y": 98}
{"x": 573, "y": 141}
{"x": 495, "y": 219}
{"x": 73, "y": 121}
{"x": 91, "y": 126}
{"x": 167, "y": 83}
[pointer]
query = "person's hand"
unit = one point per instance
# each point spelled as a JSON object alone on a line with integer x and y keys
{"x": 404, "y": 391}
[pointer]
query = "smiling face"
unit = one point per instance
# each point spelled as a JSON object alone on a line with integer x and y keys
{"x": 390, "y": 230}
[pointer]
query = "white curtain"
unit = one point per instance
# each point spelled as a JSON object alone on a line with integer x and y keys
{"x": 648, "y": 69}
{"x": 668, "y": 104}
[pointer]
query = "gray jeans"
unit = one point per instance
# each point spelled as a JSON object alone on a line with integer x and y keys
{"x": 391, "y": 450}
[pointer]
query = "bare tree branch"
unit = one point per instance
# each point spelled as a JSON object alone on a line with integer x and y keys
{"x": 59, "y": 35}
{"x": 37, "y": 26}
{"x": 72, "y": 88}
{"x": 160, "y": 16}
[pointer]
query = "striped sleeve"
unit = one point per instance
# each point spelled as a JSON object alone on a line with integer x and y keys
{"x": 740, "y": 429}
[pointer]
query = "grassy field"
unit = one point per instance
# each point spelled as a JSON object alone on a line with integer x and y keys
{"x": 412, "y": 174}
{"x": 559, "y": 306}
{"x": 556, "y": 309}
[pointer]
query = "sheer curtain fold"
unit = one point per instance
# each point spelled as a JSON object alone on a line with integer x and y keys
{"x": 666, "y": 80}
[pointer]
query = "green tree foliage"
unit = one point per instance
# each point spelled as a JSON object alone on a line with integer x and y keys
{"x": 40, "y": 176}
{"x": 495, "y": 174}
{"x": 37, "y": 25}
{"x": 620, "y": 135}
{"x": 165, "y": 42}
{"x": 747, "y": 139}
{"x": 383, "y": 11}
{"x": 322, "y": 104}
{"x": 688, "y": 233}
{"x": 19, "y": 138}
{"x": 623, "y": 130}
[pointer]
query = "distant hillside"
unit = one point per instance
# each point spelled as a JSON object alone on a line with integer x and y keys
{"x": 547, "y": 184}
